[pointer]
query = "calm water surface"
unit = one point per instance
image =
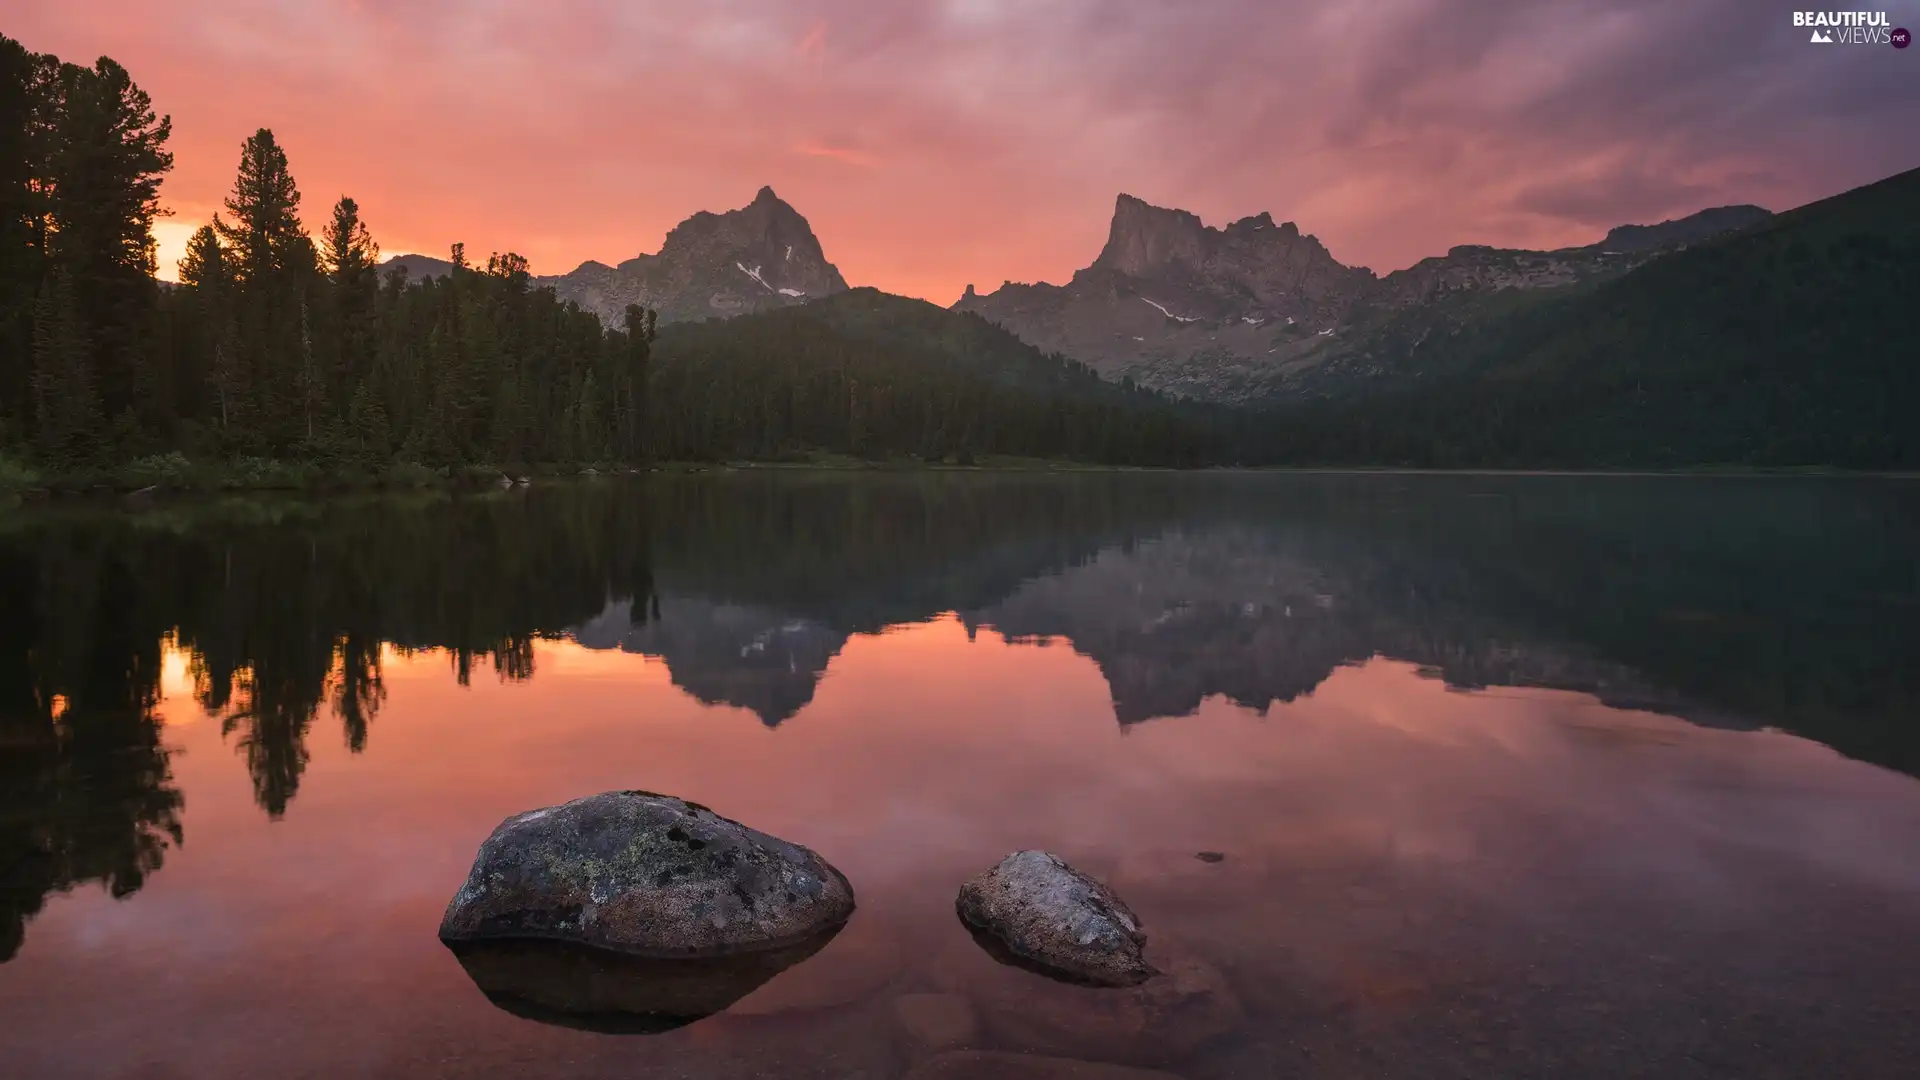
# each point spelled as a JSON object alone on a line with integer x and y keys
{"x": 1520, "y": 776}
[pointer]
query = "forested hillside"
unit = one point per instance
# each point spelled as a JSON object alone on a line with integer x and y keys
{"x": 273, "y": 345}
{"x": 279, "y": 346}
{"x": 874, "y": 375}
{"x": 1781, "y": 345}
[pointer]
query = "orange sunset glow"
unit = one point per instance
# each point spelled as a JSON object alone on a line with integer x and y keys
{"x": 937, "y": 143}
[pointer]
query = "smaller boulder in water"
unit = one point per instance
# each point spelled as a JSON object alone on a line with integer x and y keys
{"x": 1048, "y": 916}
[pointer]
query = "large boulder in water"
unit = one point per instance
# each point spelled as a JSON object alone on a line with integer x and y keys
{"x": 647, "y": 875}
{"x": 1048, "y": 916}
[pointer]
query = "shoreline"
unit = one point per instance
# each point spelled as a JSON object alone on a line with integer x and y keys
{"x": 20, "y": 486}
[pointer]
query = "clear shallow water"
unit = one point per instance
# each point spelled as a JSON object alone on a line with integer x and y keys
{"x": 1513, "y": 776}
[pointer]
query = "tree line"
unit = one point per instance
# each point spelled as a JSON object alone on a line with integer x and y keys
{"x": 274, "y": 343}
{"x": 277, "y": 344}
{"x": 878, "y": 376}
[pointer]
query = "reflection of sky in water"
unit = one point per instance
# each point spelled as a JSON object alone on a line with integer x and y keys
{"x": 1415, "y": 875}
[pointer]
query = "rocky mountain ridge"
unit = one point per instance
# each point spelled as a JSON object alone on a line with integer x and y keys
{"x": 1226, "y": 314}
{"x": 1238, "y": 314}
{"x": 756, "y": 258}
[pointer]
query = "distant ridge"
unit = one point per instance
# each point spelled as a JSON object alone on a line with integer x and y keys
{"x": 418, "y": 267}
{"x": 1220, "y": 313}
{"x": 1777, "y": 344}
{"x": 757, "y": 258}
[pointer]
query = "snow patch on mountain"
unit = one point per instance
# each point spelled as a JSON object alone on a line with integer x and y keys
{"x": 1171, "y": 315}
{"x": 755, "y": 275}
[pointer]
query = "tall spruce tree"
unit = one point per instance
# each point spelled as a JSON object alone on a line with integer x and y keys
{"x": 107, "y": 159}
{"x": 265, "y": 234}
{"x": 349, "y": 257}
{"x": 348, "y": 250}
{"x": 24, "y": 106}
{"x": 274, "y": 266}
{"x": 207, "y": 273}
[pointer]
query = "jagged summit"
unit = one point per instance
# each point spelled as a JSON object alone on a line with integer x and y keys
{"x": 762, "y": 255}
{"x": 1192, "y": 309}
{"x": 1145, "y": 238}
{"x": 1166, "y": 284}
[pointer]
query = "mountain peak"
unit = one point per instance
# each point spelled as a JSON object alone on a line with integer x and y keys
{"x": 1144, "y": 236}
{"x": 759, "y": 256}
{"x": 1145, "y": 239}
{"x": 1167, "y": 284}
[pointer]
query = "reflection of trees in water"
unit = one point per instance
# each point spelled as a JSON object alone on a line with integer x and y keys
{"x": 358, "y": 690}
{"x": 86, "y": 790}
{"x": 282, "y": 611}
{"x": 1771, "y": 603}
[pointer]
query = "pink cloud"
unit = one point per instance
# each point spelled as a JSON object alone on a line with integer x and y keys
{"x": 814, "y": 42}
{"x": 580, "y": 129}
{"x": 856, "y": 158}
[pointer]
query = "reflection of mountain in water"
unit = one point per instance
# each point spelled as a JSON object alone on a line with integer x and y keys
{"x": 1744, "y": 602}
{"x": 1178, "y": 618}
{"x": 723, "y": 654}
{"x": 1263, "y": 616}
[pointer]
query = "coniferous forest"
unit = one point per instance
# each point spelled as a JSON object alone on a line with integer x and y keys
{"x": 280, "y": 346}
{"x": 286, "y": 358}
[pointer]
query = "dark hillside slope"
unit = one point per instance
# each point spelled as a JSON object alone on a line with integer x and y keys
{"x": 1786, "y": 344}
{"x": 936, "y": 334}
{"x": 882, "y": 376}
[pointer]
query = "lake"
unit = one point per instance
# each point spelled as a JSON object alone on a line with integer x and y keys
{"x": 1508, "y": 776}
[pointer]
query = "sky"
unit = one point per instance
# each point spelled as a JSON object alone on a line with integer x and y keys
{"x": 937, "y": 143}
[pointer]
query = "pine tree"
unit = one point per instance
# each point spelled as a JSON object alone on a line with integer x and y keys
{"x": 265, "y": 235}
{"x": 105, "y": 164}
{"x": 24, "y": 107}
{"x": 350, "y": 257}
{"x": 274, "y": 266}
{"x": 204, "y": 266}
{"x": 348, "y": 251}
{"x": 206, "y": 271}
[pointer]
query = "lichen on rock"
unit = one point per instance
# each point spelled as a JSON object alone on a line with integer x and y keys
{"x": 1055, "y": 919}
{"x": 647, "y": 875}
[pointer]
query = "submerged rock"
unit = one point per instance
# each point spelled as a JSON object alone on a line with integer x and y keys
{"x": 1048, "y": 916}
{"x": 986, "y": 1065}
{"x": 555, "y": 982}
{"x": 936, "y": 1021}
{"x": 863, "y": 960}
{"x": 647, "y": 875}
{"x": 1184, "y": 1006}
